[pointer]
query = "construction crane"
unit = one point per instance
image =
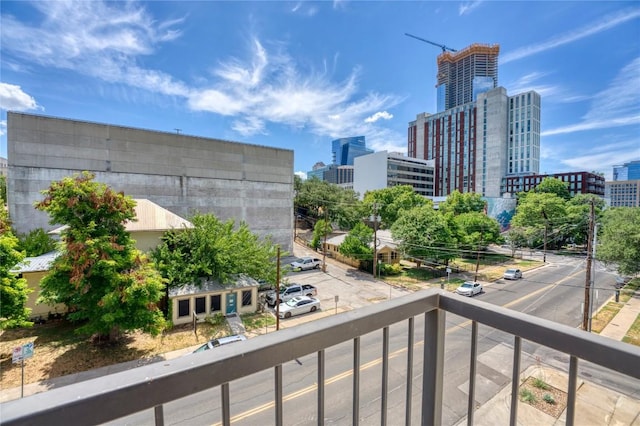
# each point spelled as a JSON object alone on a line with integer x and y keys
{"x": 441, "y": 46}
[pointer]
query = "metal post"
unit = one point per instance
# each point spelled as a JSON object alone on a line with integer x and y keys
{"x": 278, "y": 290}
{"x": 375, "y": 240}
{"x": 587, "y": 286}
{"x": 432, "y": 378}
{"x": 593, "y": 273}
{"x": 324, "y": 244}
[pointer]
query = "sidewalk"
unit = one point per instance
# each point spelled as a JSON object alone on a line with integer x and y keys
{"x": 620, "y": 324}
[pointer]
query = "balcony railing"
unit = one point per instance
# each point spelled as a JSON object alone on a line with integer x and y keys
{"x": 114, "y": 396}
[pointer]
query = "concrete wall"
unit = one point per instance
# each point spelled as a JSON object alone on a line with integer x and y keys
{"x": 181, "y": 173}
{"x": 491, "y": 151}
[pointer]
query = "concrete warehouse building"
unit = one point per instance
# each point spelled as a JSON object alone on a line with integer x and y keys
{"x": 181, "y": 173}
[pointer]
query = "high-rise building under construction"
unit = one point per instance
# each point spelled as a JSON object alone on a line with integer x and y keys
{"x": 464, "y": 74}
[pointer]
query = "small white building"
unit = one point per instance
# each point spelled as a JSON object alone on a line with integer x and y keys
{"x": 386, "y": 169}
{"x": 211, "y": 298}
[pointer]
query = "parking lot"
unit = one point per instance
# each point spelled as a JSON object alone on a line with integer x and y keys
{"x": 341, "y": 288}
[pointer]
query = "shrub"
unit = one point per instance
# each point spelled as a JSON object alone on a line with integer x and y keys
{"x": 548, "y": 398}
{"x": 390, "y": 269}
{"x": 216, "y": 319}
{"x": 527, "y": 396}
{"x": 540, "y": 384}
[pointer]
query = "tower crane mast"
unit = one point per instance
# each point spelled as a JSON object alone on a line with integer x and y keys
{"x": 441, "y": 46}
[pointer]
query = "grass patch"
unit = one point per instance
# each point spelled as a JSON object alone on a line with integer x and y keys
{"x": 628, "y": 290}
{"x": 604, "y": 316}
{"x": 527, "y": 396}
{"x": 540, "y": 384}
{"x": 633, "y": 334}
{"x": 254, "y": 321}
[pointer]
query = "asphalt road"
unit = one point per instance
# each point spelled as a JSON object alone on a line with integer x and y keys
{"x": 554, "y": 292}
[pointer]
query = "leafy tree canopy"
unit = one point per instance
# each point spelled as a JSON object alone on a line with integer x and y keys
{"x": 314, "y": 197}
{"x": 357, "y": 244}
{"x": 3, "y": 189}
{"x": 37, "y": 242}
{"x": 390, "y": 202}
{"x": 423, "y": 233}
{"x": 551, "y": 185}
{"x": 476, "y": 230}
{"x": 619, "y": 239}
{"x": 538, "y": 211}
{"x": 458, "y": 203}
{"x": 13, "y": 290}
{"x": 108, "y": 285}
{"x": 214, "y": 249}
{"x": 320, "y": 232}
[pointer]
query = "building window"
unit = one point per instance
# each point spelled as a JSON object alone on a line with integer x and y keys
{"x": 183, "y": 307}
{"x": 216, "y": 304}
{"x": 200, "y": 305}
{"x": 246, "y": 298}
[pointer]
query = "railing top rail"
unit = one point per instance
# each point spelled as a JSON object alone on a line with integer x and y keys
{"x": 110, "y": 397}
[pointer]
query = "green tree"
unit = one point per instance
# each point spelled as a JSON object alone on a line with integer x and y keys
{"x": 390, "y": 202}
{"x": 540, "y": 211}
{"x": 619, "y": 239}
{"x": 458, "y": 203}
{"x": 315, "y": 198}
{"x": 3, "y": 189}
{"x": 551, "y": 185}
{"x": 475, "y": 231}
{"x": 108, "y": 285}
{"x": 358, "y": 243}
{"x": 424, "y": 234}
{"x": 320, "y": 231}
{"x": 37, "y": 242}
{"x": 578, "y": 211}
{"x": 13, "y": 290}
{"x": 214, "y": 249}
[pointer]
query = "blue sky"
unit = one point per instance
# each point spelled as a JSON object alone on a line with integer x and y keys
{"x": 297, "y": 75}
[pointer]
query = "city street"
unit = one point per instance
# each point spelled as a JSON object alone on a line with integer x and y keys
{"x": 554, "y": 292}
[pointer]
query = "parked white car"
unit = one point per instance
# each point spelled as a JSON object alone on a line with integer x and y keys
{"x": 298, "y": 305}
{"x": 469, "y": 288}
{"x": 512, "y": 274}
{"x": 220, "y": 341}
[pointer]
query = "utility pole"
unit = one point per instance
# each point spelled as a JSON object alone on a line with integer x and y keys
{"x": 587, "y": 285}
{"x": 593, "y": 272}
{"x": 278, "y": 290}
{"x": 324, "y": 245}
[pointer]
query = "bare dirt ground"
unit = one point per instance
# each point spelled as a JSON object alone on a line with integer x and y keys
{"x": 58, "y": 352}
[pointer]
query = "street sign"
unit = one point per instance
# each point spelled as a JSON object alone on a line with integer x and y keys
{"x": 22, "y": 352}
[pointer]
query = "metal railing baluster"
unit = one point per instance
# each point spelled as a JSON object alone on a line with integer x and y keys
{"x": 321, "y": 387}
{"x": 471, "y": 404}
{"x": 571, "y": 390}
{"x": 515, "y": 380}
{"x": 356, "y": 382}
{"x": 159, "y": 415}
{"x": 410, "y": 339}
{"x": 278, "y": 401}
{"x": 226, "y": 413}
{"x": 385, "y": 376}
{"x": 433, "y": 366}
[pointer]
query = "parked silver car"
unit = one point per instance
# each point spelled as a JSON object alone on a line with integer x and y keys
{"x": 298, "y": 305}
{"x": 469, "y": 288}
{"x": 220, "y": 341}
{"x": 512, "y": 274}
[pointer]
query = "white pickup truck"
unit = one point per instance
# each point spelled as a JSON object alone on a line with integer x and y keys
{"x": 305, "y": 263}
{"x": 290, "y": 292}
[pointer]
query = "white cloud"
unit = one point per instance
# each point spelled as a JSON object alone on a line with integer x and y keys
{"x": 3, "y": 127}
{"x": 468, "y": 7}
{"x": 13, "y": 98}
{"x": 304, "y": 9}
{"x": 377, "y": 116}
{"x": 604, "y": 24}
{"x": 105, "y": 40}
{"x": 605, "y": 159}
{"x": 302, "y": 175}
{"x": 617, "y": 105}
{"x": 94, "y": 38}
{"x": 529, "y": 82}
